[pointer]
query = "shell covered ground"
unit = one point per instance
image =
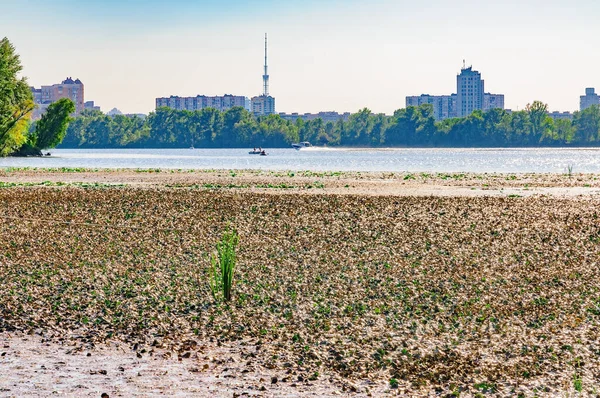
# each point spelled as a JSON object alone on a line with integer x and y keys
{"x": 372, "y": 294}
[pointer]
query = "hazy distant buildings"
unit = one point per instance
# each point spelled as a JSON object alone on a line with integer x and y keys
{"x": 90, "y": 105}
{"x": 493, "y": 101}
{"x": 590, "y": 98}
{"x": 69, "y": 88}
{"x": 444, "y": 106}
{"x": 560, "y": 115}
{"x": 221, "y": 103}
{"x": 470, "y": 95}
{"x": 325, "y": 116}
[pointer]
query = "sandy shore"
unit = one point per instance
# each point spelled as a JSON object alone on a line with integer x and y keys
{"x": 32, "y": 366}
{"x": 347, "y": 284}
{"x": 306, "y": 182}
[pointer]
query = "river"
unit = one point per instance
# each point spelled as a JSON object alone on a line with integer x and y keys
{"x": 529, "y": 160}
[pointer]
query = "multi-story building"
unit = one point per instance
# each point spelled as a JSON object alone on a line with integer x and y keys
{"x": 470, "y": 96}
{"x": 221, "y": 103}
{"x": 325, "y": 116}
{"x": 263, "y": 105}
{"x": 444, "y": 106}
{"x": 561, "y": 115}
{"x": 493, "y": 101}
{"x": 69, "y": 88}
{"x": 470, "y": 91}
{"x": 590, "y": 98}
{"x": 90, "y": 105}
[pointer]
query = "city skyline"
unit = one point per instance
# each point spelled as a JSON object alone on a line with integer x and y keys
{"x": 328, "y": 55}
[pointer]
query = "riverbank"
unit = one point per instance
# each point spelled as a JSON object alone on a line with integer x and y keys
{"x": 365, "y": 289}
{"x": 310, "y": 182}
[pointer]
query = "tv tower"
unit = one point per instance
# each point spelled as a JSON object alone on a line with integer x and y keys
{"x": 266, "y": 75}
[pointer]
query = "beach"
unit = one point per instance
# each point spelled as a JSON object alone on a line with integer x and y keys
{"x": 347, "y": 283}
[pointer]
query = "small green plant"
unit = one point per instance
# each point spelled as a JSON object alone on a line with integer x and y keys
{"x": 570, "y": 170}
{"x": 223, "y": 266}
{"x": 393, "y": 383}
{"x": 577, "y": 383}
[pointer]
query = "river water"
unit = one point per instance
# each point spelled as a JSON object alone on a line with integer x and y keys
{"x": 555, "y": 160}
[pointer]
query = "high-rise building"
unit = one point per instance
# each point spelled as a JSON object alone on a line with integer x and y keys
{"x": 264, "y": 104}
{"x": 590, "y": 98}
{"x": 69, "y": 88}
{"x": 221, "y": 103}
{"x": 470, "y": 91}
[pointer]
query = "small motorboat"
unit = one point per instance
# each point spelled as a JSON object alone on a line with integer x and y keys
{"x": 258, "y": 151}
{"x": 301, "y": 145}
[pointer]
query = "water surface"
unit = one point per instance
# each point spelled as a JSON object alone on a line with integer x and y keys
{"x": 555, "y": 160}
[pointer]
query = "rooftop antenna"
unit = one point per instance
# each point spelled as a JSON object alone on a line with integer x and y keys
{"x": 266, "y": 75}
{"x": 464, "y": 64}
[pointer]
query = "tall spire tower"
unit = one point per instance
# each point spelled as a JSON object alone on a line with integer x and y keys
{"x": 266, "y": 75}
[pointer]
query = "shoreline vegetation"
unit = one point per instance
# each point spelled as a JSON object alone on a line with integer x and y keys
{"x": 409, "y": 127}
{"x": 387, "y": 288}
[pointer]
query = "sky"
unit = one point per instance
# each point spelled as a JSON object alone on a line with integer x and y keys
{"x": 324, "y": 55}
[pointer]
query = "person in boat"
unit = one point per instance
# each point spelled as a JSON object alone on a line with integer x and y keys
{"x": 254, "y": 149}
{"x": 263, "y": 152}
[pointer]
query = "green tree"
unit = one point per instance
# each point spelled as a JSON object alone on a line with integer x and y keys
{"x": 16, "y": 101}
{"x": 540, "y": 123}
{"x": 50, "y": 130}
{"x": 587, "y": 124}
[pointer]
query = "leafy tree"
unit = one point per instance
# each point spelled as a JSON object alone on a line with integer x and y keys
{"x": 563, "y": 133}
{"x": 540, "y": 123}
{"x": 587, "y": 124}
{"x": 50, "y": 130}
{"x": 16, "y": 101}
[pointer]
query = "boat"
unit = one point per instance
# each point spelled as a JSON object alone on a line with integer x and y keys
{"x": 301, "y": 145}
{"x": 258, "y": 151}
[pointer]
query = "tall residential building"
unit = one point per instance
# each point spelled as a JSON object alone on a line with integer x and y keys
{"x": 69, "y": 88}
{"x": 493, "y": 101}
{"x": 264, "y": 104}
{"x": 590, "y": 98}
{"x": 444, "y": 106}
{"x": 221, "y": 103}
{"x": 470, "y": 91}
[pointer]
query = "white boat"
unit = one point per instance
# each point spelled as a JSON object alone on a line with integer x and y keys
{"x": 301, "y": 145}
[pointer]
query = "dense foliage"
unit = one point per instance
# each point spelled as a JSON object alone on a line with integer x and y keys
{"x": 16, "y": 101}
{"x": 413, "y": 126}
{"x": 50, "y": 130}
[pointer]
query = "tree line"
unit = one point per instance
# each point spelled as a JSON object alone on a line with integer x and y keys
{"x": 18, "y": 136}
{"x": 409, "y": 127}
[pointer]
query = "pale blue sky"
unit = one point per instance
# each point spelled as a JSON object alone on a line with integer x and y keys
{"x": 324, "y": 55}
